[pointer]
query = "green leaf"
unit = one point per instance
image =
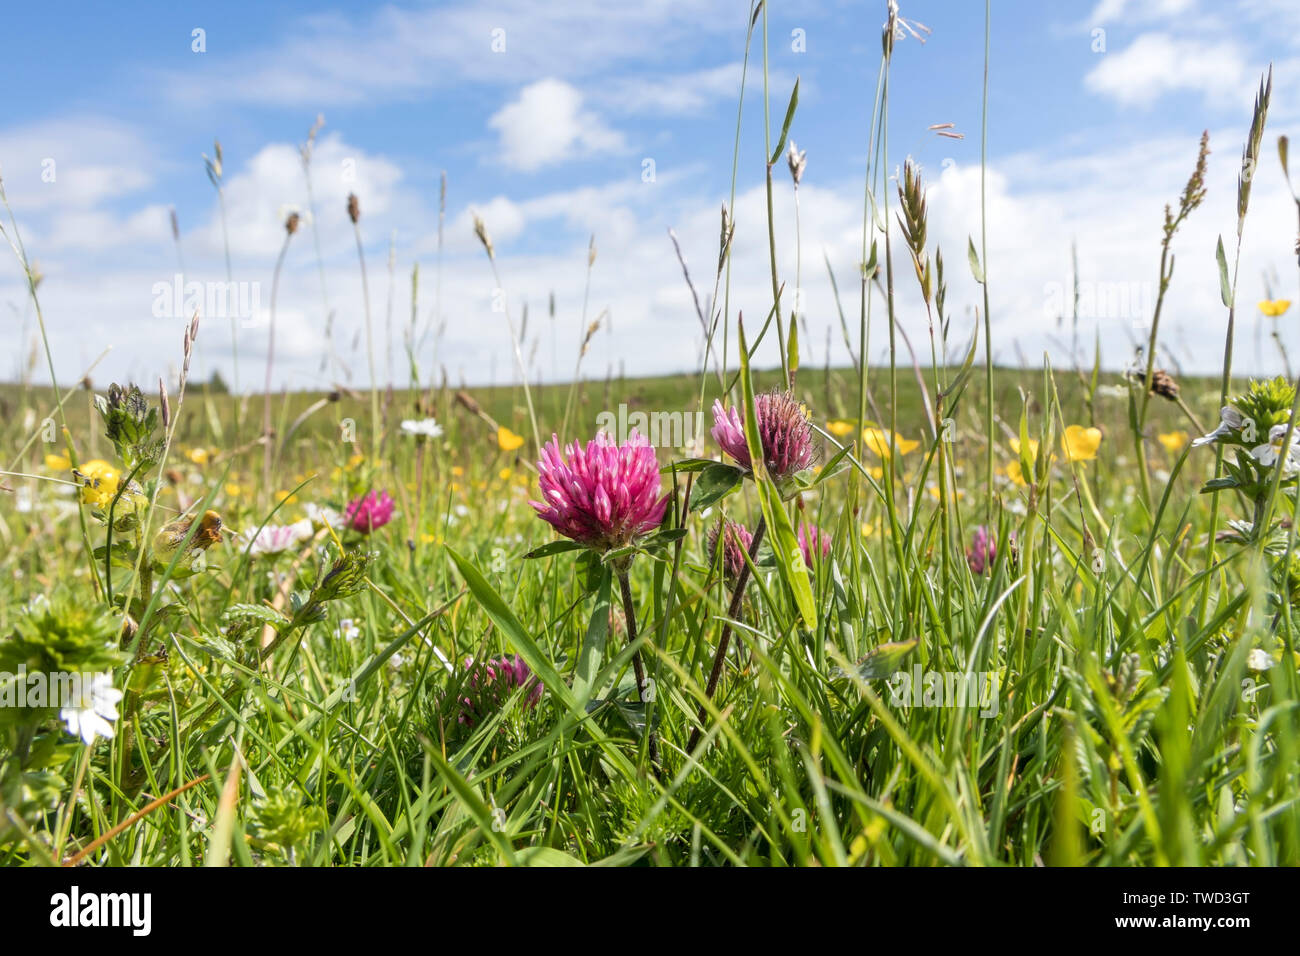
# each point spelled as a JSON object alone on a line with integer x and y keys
{"x": 884, "y": 660}
{"x": 789, "y": 556}
{"x": 593, "y": 644}
{"x": 974, "y": 258}
{"x": 546, "y": 856}
{"x": 833, "y": 467}
{"x": 662, "y": 539}
{"x": 752, "y": 441}
{"x": 869, "y": 267}
{"x": 785, "y": 127}
{"x": 792, "y": 346}
{"x": 1028, "y": 469}
{"x": 1225, "y": 290}
{"x": 1219, "y": 484}
{"x": 554, "y": 547}
{"x": 716, "y": 482}
{"x": 687, "y": 465}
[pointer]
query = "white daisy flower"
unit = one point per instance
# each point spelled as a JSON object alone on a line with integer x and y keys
{"x": 425, "y": 427}
{"x": 320, "y": 516}
{"x": 93, "y": 715}
{"x": 275, "y": 539}
{"x": 1230, "y": 420}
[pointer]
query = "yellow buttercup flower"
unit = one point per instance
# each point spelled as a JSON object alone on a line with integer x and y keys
{"x": 878, "y": 441}
{"x": 57, "y": 462}
{"x": 199, "y": 456}
{"x": 1173, "y": 441}
{"x": 1081, "y": 444}
{"x": 98, "y": 492}
{"x": 232, "y": 489}
{"x": 1014, "y": 473}
{"x": 98, "y": 468}
{"x": 1274, "y": 307}
{"x": 508, "y": 440}
{"x": 840, "y": 428}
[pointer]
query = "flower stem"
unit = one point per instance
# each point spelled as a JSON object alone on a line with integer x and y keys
{"x": 732, "y": 612}
{"x": 638, "y": 667}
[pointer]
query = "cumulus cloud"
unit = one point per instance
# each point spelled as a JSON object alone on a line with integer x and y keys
{"x": 1156, "y": 64}
{"x": 547, "y": 124}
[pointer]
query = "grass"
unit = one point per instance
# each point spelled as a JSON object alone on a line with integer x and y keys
{"x": 1112, "y": 682}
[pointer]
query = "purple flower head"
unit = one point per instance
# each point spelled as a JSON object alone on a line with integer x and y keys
{"x": 783, "y": 431}
{"x": 982, "y": 551}
{"x": 491, "y": 683}
{"x": 814, "y": 543}
{"x": 369, "y": 512}
{"x": 604, "y": 495}
{"x": 736, "y": 540}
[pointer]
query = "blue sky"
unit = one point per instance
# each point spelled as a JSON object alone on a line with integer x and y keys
{"x": 1089, "y": 135}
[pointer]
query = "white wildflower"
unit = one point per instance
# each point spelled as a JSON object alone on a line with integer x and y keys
{"x": 1230, "y": 420}
{"x": 426, "y": 427}
{"x": 320, "y": 516}
{"x": 1269, "y": 453}
{"x": 93, "y": 715}
{"x": 1259, "y": 660}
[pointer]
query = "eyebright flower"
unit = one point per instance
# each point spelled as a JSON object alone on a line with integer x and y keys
{"x": 1268, "y": 454}
{"x": 982, "y": 551}
{"x": 604, "y": 495}
{"x": 369, "y": 512}
{"x": 93, "y": 714}
{"x": 491, "y": 683}
{"x": 423, "y": 428}
{"x": 814, "y": 543}
{"x": 783, "y": 432}
{"x": 1229, "y": 421}
{"x": 736, "y": 540}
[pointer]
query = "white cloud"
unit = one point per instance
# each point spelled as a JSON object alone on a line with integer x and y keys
{"x": 547, "y": 124}
{"x": 1108, "y": 11}
{"x": 407, "y": 53}
{"x": 74, "y": 162}
{"x": 1108, "y": 202}
{"x": 1156, "y": 63}
{"x": 691, "y": 92}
